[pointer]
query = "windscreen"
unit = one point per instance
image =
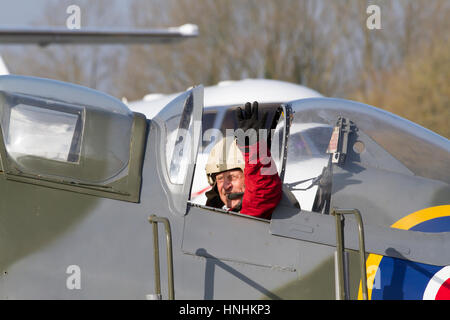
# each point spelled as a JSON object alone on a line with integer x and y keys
{"x": 179, "y": 127}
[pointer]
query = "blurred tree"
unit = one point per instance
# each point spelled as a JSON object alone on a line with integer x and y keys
{"x": 414, "y": 81}
{"x": 418, "y": 89}
{"x": 284, "y": 40}
{"x": 322, "y": 44}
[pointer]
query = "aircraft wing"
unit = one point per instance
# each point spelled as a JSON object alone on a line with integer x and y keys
{"x": 46, "y": 36}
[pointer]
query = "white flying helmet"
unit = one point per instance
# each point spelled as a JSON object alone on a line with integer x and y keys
{"x": 224, "y": 156}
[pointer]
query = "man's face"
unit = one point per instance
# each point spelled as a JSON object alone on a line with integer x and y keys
{"x": 231, "y": 181}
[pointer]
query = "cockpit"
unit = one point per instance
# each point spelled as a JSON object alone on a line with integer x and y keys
{"x": 374, "y": 139}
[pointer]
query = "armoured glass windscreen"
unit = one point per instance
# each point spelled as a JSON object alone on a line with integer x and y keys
{"x": 179, "y": 138}
{"x": 276, "y": 148}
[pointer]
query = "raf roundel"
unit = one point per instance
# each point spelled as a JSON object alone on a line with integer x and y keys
{"x": 400, "y": 279}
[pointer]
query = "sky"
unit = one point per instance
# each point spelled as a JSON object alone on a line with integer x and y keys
{"x": 26, "y": 13}
{"x": 14, "y": 13}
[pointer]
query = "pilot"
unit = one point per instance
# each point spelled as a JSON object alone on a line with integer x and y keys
{"x": 241, "y": 171}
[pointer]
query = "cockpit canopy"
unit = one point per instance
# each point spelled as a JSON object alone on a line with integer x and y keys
{"x": 84, "y": 142}
{"x": 71, "y": 137}
{"x": 412, "y": 149}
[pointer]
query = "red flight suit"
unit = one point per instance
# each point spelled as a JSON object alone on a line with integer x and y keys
{"x": 262, "y": 184}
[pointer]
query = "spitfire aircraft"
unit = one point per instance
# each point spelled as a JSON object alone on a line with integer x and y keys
{"x": 82, "y": 174}
{"x": 99, "y": 199}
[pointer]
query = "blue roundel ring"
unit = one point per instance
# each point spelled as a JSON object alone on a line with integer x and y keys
{"x": 397, "y": 279}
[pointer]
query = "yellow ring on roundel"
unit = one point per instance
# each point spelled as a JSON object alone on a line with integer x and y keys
{"x": 406, "y": 223}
